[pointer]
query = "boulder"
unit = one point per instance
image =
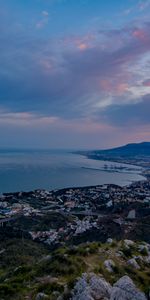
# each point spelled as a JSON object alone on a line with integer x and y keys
{"x": 109, "y": 241}
{"x": 41, "y": 296}
{"x": 56, "y": 294}
{"x": 109, "y": 265}
{"x": 91, "y": 287}
{"x": 139, "y": 258}
{"x": 124, "y": 289}
{"x": 147, "y": 259}
{"x": 131, "y": 214}
{"x": 143, "y": 248}
{"x": 84, "y": 295}
{"x": 128, "y": 243}
{"x": 133, "y": 263}
{"x": 45, "y": 258}
{"x": 119, "y": 254}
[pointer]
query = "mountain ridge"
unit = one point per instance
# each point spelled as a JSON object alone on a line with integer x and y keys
{"x": 133, "y": 153}
{"x": 142, "y": 148}
{"x": 139, "y": 147}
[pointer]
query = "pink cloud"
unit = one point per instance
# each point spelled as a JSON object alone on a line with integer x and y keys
{"x": 85, "y": 126}
{"x": 82, "y": 46}
{"x": 147, "y": 83}
{"x": 80, "y": 42}
{"x": 25, "y": 119}
{"x": 110, "y": 86}
{"x": 121, "y": 88}
{"x": 46, "y": 64}
{"x": 140, "y": 34}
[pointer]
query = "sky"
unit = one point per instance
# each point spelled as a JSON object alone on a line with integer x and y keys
{"x": 74, "y": 74}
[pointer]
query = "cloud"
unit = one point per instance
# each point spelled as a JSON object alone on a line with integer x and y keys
{"x": 144, "y": 4}
{"x": 44, "y": 21}
{"x": 45, "y": 13}
{"x": 129, "y": 115}
{"x": 77, "y": 76}
{"x": 25, "y": 119}
{"x": 146, "y": 83}
{"x": 140, "y": 34}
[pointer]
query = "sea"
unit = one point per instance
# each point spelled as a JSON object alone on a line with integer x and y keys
{"x": 26, "y": 170}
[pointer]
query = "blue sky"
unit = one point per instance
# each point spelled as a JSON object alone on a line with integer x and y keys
{"x": 74, "y": 73}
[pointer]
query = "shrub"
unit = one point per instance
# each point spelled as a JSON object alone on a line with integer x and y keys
{"x": 93, "y": 248}
{"x": 48, "y": 288}
{"x": 6, "y": 290}
{"x": 127, "y": 251}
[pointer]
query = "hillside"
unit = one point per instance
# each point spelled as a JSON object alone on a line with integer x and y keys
{"x": 88, "y": 243}
{"x": 136, "y": 153}
{"x": 129, "y": 150}
{"x": 88, "y": 271}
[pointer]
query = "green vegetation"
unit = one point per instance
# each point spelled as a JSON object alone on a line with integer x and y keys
{"x": 28, "y": 268}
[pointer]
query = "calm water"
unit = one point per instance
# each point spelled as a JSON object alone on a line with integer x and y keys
{"x": 28, "y": 170}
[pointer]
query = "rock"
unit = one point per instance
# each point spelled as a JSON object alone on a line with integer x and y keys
{"x": 41, "y": 296}
{"x": 100, "y": 288}
{"x": 148, "y": 246}
{"x": 128, "y": 243}
{"x": 61, "y": 297}
{"x": 139, "y": 259}
{"x": 91, "y": 287}
{"x": 56, "y": 294}
{"x": 46, "y": 258}
{"x": 131, "y": 215}
{"x": 2, "y": 251}
{"x": 143, "y": 248}
{"x": 19, "y": 268}
{"x": 84, "y": 295}
{"x": 109, "y": 265}
{"x": 147, "y": 259}
{"x": 124, "y": 289}
{"x": 133, "y": 263}
{"x": 47, "y": 279}
{"x": 119, "y": 254}
{"x": 109, "y": 241}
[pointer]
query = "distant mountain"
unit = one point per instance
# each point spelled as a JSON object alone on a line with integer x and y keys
{"x": 129, "y": 153}
{"x": 134, "y": 149}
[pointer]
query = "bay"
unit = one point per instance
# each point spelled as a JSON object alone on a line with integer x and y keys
{"x": 25, "y": 170}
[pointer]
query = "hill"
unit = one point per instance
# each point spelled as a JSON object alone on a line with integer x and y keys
{"x": 29, "y": 271}
{"x": 128, "y": 150}
{"x": 136, "y": 153}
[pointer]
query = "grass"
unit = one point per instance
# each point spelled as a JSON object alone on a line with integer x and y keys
{"x": 24, "y": 272}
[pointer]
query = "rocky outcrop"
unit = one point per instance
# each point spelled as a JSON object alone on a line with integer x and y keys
{"x": 124, "y": 289}
{"x": 128, "y": 243}
{"x": 92, "y": 287}
{"x": 144, "y": 247}
{"x": 133, "y": 263}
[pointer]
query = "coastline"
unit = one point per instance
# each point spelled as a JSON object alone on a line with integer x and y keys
{"x": 145, "y": 166}
{"x": 74, "y": 188}
{"x": 65, "y": 171}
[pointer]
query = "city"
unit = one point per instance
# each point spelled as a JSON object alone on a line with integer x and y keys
{"x": 59, "y": 216}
